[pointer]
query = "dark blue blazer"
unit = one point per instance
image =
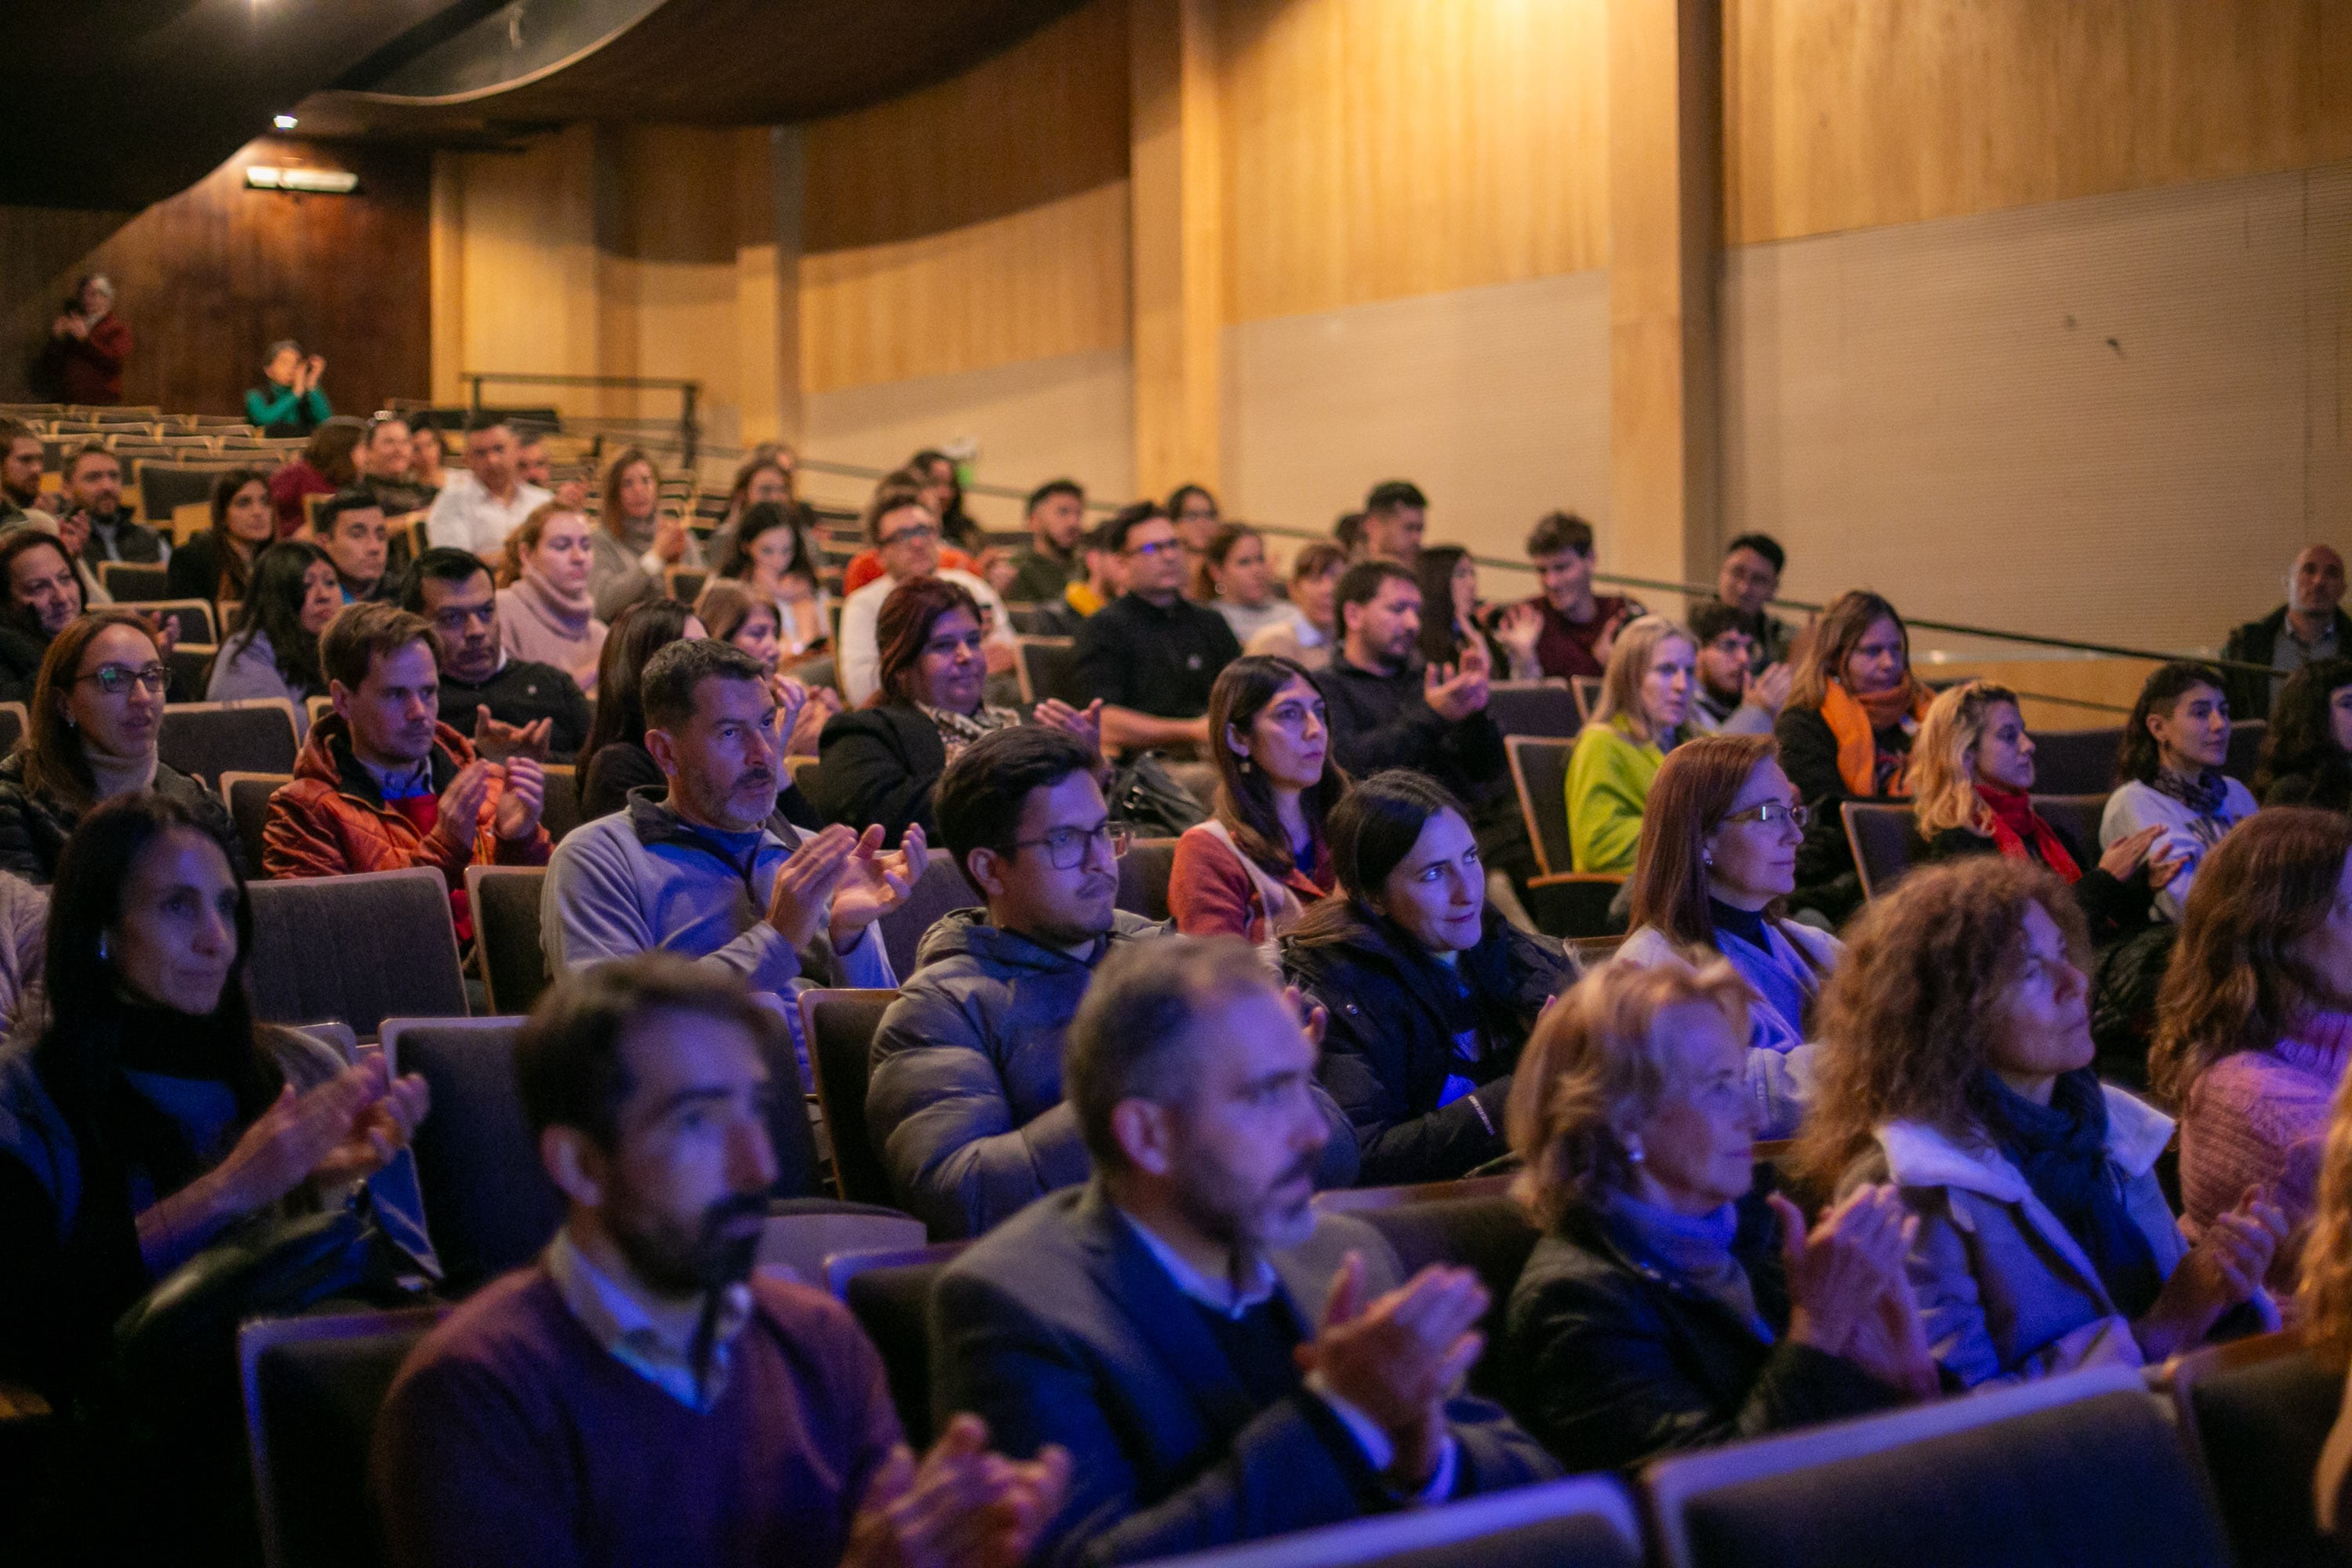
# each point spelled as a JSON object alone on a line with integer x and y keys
{"x": 1061, "y": 1327}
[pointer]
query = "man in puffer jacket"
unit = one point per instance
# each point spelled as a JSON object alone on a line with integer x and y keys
{"x": 965, "y": 1096}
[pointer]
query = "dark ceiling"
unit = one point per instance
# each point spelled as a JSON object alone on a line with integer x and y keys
{"x": 133, "y": 100}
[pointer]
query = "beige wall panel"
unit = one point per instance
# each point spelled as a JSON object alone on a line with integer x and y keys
{"x": 1032, "y": 421}
{"x": 2114, "y": 418}
{"x": 1378, "y": 149}
{"x": 1842, "y": 114}
{"x": 1494, "y": 401}
{"x": 530, "y": 277}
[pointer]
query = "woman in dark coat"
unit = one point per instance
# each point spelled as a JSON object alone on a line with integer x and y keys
{"x": 1431, "y": 991}
{"x": 2307, "y": 753}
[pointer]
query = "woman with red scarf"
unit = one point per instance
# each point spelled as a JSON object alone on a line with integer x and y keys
{"x": 1972, "y": 764}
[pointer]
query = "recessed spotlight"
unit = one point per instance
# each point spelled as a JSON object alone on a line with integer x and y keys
{"x": 285, "y": 122}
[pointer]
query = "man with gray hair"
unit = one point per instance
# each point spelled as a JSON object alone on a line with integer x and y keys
{"x": 1221, "y": 1362}
{"x": 2311, "y": 625}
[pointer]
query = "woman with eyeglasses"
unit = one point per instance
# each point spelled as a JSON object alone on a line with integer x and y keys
{"x": 1717, "y": 864}
{"x": 95, "y": 714}
{"x": 274, "y": 651}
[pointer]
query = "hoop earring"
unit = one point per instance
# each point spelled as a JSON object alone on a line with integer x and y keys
{"x": 105, "y": 954}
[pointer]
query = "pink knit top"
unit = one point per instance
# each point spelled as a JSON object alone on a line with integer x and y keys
{"x": 2260, "y": 1117}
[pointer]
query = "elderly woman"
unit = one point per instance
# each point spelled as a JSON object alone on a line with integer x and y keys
{"x": 1670, "y": 1304}
{"x": 1719, "y": 860}
{"x": 546, "y": 613}
{"x": 95, "y": 714}
{"x": 1252, "y": 868}
{"x": 2168, "y": 775}
{"x": 1955, "y": 1062}
{"x": 1644, "y": 695}
{"x": 1430, "y": 991}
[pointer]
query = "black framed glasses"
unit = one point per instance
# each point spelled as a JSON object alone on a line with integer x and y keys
{"x": 1770, "y": 812}
{"x": 114, "y": 679}
{"x": 1066, "y": 846}
{"x": 907, "y": 535}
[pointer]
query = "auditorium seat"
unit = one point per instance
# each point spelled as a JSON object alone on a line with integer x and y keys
{"x": 890, "y": 1294}
{"x": 313, "y": 1389}
{"x": 559, "y": 810}
{"x": 1047, "y": 666}
{"x": 199, "y": 622}
{"x": 14, "y": 718}
{"x": 1539, "y": 772}
{"x": 839, "y": 1026}
{"x": 505, "y": 903}
{"x": 2258, "y": 1411}
{"x": 246, "y": 796}
{"x": 1143, "y": 876}
{"x": 134, "y": 582}
{"x": 1880, "y": 837}
{"x": 1547, "y": 708}
{"x": 2076, "y": 761}
{"x": 2245, "y": 750}
{"x": 1573, "y": 905}
{"x": 210, "y": 738}
{"x": 360, "y": 948}
{"x": 1470, "y": 1223}
{"x": 2079, "y": 815}
{"x": 940, "y": 888}
{"x": 2082, "y": 1468}
{"x": 1584, "y": 1521}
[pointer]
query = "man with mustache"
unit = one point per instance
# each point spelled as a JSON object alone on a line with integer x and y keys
{"x": 1221, "y": 1362}
{"x": 708, "y": 867}
{"x": 639, "y": 1394}
{"x": 382, "y": 785}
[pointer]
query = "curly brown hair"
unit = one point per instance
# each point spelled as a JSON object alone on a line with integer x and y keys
{"x": 2324, "y": 1298}
{"x": 1902, "y": 1016}
{"x": 2236, "y": 982}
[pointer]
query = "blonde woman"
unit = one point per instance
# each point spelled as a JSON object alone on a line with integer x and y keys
{"x": 1670, "y": 1304}
{"x": 636, "y": 540}
{"x": 1644, "y": 695}
{"x": 546, "y": 613}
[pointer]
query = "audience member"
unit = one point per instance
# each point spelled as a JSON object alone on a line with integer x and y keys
{"x": 2169, "y": 776}
{"x": 2256, "y": 1016}
{"x": 1253, "y": 867}
{"x": 1845, "y": 734}
{"x": 640, "y": 1393}
{"x": 510, "y": 703}
{"x": 273, "y": 651}
{"x": 21, "y": 461}
{"x": 1103, "y": 581}
{"x": 1749, "y": 581}
{"x": 24, "y": 925}
{"x": 386, "y": 459}
{"x": 1238, "y": 582}
{"x": 614, "y": 760}
{"x": 963, "y": 1098}
{"x": 1643, "y": 697}
{"x": 1057, "y": 522}
{"x": 217, "y": 563}
{"x": 1197, "y": 522}
{"x": 1150, "y": 656}
{"x": 425, "y": 457}
{"x": 2310, "y": 626}
{"x": 1431, "y": 990}
{"x": 2306, "y": 756}
{"x": 1348, "y": 533}
{"x": 329, "y": 463}
{"x": 382, "y": 784}
{"x": 351, "y": 530}
{"x": 289, "y": 402}
{"x": 1394, "y": 517}
{"x": 1670, "y": 1303}
{"x": 88, "y": 345}
{"x": 943, "y": 493}
{"x": 868, "y": 564}
{"x": 707, "y": 866}
{"x": 764, "y": 475}
{"x": 545, "y": 613}
{"x": 2323, "y": 1305}
{"x": 882, "y": 762}
{"x": 907, "y": 538}
{"x": 1449, "y": 578}
{"x": 96, "y": 711}
{"x": 1096, "y": 1318}
{"x": 1311, "y": 633}
{"x": 637, "y": 541}
{"x": 477, "y": 509}
{"x": 1954, "y": 1063}
{"x": 90, "y": 517}
{"x": 44, "y": 595}
{"x": 729, "y": 613}
{"x": 1718, "y": 858}
{"x": 1733, "y": 696}
{"x": 1578, "y": 625}
{"x": 535, "y": 465}
{"x": 775, "y": 555}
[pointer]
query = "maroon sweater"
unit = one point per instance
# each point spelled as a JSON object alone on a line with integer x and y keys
{"x": 512, "y": 1438}
{"x": 1565, "y": 647}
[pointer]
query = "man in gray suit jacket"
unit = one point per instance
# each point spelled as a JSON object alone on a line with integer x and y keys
{"x": 1221, "y": 1362}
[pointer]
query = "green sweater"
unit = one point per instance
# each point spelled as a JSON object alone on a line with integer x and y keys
{"x": 1609, "y": 776}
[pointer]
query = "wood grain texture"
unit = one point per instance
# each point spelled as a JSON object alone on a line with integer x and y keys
{"x": 1178, "y": 241}
{"x": 1843, "y": 114}
{"x": 1377, "y": 149}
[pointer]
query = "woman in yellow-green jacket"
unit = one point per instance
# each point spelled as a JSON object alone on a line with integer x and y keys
{"x": 1643, "y": 696}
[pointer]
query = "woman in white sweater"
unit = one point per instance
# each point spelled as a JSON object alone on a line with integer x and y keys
{"x": 2170, "y": 775}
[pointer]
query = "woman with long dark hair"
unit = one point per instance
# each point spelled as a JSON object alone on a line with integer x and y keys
{"x": 274, "y": 649}
{"x": 1253, "y": 867}
{"x": 1451, "y": 615}
{"x": 2168, "y": 775}
{"x": 217, "y": 563}
{"x": 325, "y": 466}
{"x": 775, "y": 555}
{"x": 1430, "y": 993}
{"x": 2307, "y": 753}
{"x": 1238, "y": 583}
{"x": 614, "y": 760}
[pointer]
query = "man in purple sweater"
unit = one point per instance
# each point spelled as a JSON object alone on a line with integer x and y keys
{"x": 638, "y": 1396}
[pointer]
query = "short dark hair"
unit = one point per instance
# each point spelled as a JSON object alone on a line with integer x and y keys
{"x": 13, "y": 430}
{"x": 2136, "y": 759}
{"x": 91, "y": 448}
{"x": 1129, "y": 518}
{"x": 567, "y": 1060}
{"x": 442, "y": 563}
{"x": 362, "y": 633}
{"x": 1316, "y": 557}
{"x": 1128, "y": 1038}
{"x": 1764, "y": 544}
{"x": 487, "y": 419}
{"x": 1360, "y": 584}
{"x": 1395, "y": 495}
{"x": 1556, "y": 531}
{"x": 980, "y": 797}
{"x": 672, "y": 675}
{"x": 1051, "y": 489}
{"x": 1710, "y": 618}
{"x": 354, "y": 499}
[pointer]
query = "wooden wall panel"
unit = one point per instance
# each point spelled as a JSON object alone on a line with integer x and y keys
{"x": 209, "y": 278}
{"x": 1377, "y": 149}
{"x": 1843, "y": 114}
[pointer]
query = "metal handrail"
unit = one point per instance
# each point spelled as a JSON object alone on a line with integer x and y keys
{"x": 689, "y": 431}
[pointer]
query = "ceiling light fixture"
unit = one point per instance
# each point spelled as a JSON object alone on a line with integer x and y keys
{"x": 285, "y": 122}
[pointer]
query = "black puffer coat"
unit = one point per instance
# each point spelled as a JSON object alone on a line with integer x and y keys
{"x": 34, "y": 828}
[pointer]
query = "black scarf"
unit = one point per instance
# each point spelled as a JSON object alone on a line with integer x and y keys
{"x": 2062, "y": 1147}
{"x": 2205, "y": 795}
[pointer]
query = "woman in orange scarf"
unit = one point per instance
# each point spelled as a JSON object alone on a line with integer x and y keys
{"x": 1845, "y": 734}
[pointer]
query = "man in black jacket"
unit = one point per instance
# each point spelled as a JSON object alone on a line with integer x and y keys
{"x": 535, "y": 706}
{"x": 1151, "y": 655}
{"x": 2308, "y": 628}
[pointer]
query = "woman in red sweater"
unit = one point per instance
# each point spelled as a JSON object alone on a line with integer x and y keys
{"x": 1252, "y": 868}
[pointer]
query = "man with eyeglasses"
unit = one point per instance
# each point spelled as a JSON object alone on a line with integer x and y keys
{"x": 512, "y": 704}
{"x": 904, "y": 529}
{"x": 1151, "y": 655}
{"x": 1731, "y": 699}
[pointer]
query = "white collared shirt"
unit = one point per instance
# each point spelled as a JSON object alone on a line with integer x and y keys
{"x": 468, "y": 517}
{"x": 617, "y": 1317}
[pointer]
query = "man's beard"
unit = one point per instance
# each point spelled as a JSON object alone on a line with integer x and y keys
{"x": 1248, "y": 1223}
{"x": 709, "y": 1260}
